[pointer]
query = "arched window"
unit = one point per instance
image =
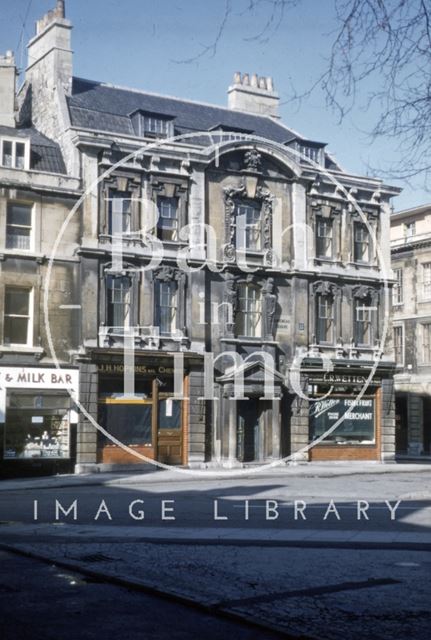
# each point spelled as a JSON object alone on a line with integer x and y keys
{"x": 249, "y": 313}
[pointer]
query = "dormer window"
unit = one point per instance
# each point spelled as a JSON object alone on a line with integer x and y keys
{"x": 152, "y": 125}
{"x": 15, "y": 154}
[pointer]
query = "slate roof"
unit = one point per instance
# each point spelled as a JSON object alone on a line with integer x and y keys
{"x": 45, "y": 154}
{"x": 94, "y": 105}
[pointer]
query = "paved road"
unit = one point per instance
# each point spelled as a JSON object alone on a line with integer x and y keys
{"x": 41, "y": 602}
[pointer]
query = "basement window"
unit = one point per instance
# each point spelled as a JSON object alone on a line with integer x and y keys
{"x": 15, "y": 154}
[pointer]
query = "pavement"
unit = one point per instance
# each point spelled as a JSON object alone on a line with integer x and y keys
{"x": 175, "y": 475}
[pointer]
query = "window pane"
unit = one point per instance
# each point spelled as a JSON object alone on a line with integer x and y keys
{"x": 15, "y": 330}
{"x": 169, "y": 414}
{"x": 19, "y": 214}
{"x": 7, "y": 154}
{"x": 18, "y": 238}
{"x": 20, "y": 155}
{"x": 17, "y": 302}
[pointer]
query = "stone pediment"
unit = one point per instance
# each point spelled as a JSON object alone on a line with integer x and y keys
{"x": 253, "y": 372}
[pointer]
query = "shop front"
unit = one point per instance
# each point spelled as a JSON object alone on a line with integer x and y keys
{"x": 354, "y": 423}
{"x": 148, "y": 409}
{"x": 152, "y": 421}
{"x": 37, "y": 420}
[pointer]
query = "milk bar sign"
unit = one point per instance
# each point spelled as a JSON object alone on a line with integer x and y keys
{"x": 37, "y": 378}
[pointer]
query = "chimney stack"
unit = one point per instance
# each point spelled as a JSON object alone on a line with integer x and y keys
{"x": 255, "y": 95}
{"x": 49, "y": 52}
{"x": 7, "y": 90}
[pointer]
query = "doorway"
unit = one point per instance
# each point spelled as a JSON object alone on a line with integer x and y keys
{"x": 249, "y": 430}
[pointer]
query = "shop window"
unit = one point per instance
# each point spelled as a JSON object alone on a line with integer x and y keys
{"x": 399, "y": 344}
{"x": 426, "y": 280}
{"x": 120, "y": 213}
{"x": 167, "y": 307}
{"x": 398, "y": 290}
{"x": 357, "y": 427}
{"x": 18, "y": 326}
{"x": 37, "y": 425}
{"x": 14, "y": 154}
{"x": 168, "y": 218}
{"x": 363, "y": 322}
{"x": 426, "y": 342}
{"x": 19, "y": 226}
{"x": 128, "y": 422}
{"x": 249, "y": 313}
{"x": 249, "y": 226}
{"x": 324, "y": 240}
{"x": 361, "y": 249}
{"x": 119, "y": 301}
{"x": 325, "y": 319}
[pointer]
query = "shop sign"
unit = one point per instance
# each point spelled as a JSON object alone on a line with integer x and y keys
{"x": 113, "y": 369}
{"x": 38, "y": 378}
{"x": 357, "y": 426}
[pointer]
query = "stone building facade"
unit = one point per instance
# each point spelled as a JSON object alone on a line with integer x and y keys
{"x": 411, "y": 264}
{"x": 231, "y": 275}
{"x": 37, "y": 416}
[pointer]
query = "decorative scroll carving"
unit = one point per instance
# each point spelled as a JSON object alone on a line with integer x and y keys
{"x": 325, "y": 288}
{"x": 230, "y": 194}
{"x": 231, "y": 302}
{"x": 169, "y": 274}
{"x": 263, "y": 195}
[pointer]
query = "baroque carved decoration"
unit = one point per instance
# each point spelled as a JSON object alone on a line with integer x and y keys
{"x": 263, "y": 195}
{"x": 252, "y": 160}
{"x": 169, "y": 274}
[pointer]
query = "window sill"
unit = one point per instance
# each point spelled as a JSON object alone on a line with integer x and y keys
{"x": 22, "y": 349}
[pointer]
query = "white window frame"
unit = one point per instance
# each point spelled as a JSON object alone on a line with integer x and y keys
{"x": 249, "y": 312}
{"x": 396, "y": 327}
{"x": 14, "y": 142}
{"x": 325, "y": 223}
{"x": 30, "y": 318}
{"x": 426, "y": 283}
{"x": 426, "y": 345}
{"x": 410, "y": 229}
{"x": 31, "y": 205}
{"x": 398, "y": 288}
{"x": 365, "y": 241}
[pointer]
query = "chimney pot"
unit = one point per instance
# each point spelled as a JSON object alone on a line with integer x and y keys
{"x": 255, "y": 95}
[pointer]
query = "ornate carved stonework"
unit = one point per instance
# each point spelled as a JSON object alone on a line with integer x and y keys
{"x": 325, "y": 288}
{"x": 270, "y": 302}
{"x": 252, "y": 160}
{"x": 169, "y": 274}
{"x": 231, "y": 195}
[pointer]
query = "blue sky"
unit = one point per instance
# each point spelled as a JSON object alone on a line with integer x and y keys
{"x": 143, "y": 44}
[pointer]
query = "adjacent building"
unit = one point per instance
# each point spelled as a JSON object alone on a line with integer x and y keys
{"x": 222, "y": 282}
{"x": 411, "y": 263}
{"x": 37, "y": 417}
